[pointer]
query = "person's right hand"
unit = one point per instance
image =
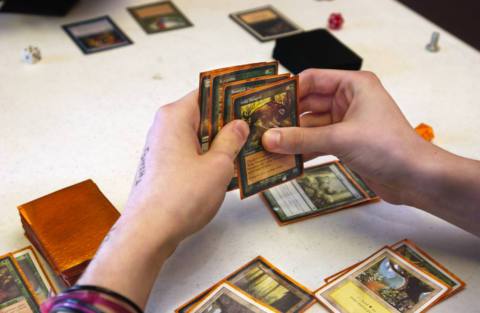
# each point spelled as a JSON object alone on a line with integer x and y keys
{"x": 350, "y": 115}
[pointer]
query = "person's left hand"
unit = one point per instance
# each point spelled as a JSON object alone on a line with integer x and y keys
{"x": 176, "y": 188}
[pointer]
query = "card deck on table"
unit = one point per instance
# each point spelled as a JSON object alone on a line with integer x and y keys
{"x": 384, "y": 282}
{"x": 236, "y": 87}
{"x": 15, "y": 293}
{"x": 266, "y": 284}
{"x": 270, "y": 106}
{"x": 159, "y": 17}
{"x": 98, "y": 34}
{"x": 211, "y": 94}
{"x": 426, "y": 263}
{"x": 321, "y": 189}
{"x": 228, "y": 298}
{"x": 359, "y": 181}
{"x": 265, "y": 23}
{"x": 35, "y": 274}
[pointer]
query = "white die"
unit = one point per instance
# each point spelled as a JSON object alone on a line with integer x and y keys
{"x": 31, "y": 55}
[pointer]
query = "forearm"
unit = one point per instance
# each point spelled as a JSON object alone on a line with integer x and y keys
{"x": 130, "y": 259}
{"x": 448, "y": 186}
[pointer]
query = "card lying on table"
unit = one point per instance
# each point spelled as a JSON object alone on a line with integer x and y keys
{"x": 159, "y": 17}
{"x": 320, "y": 190}
{"x": 385, "y": 282}
{"x": 393, "y": 283}
{"x": 266, "y": 284}
{"x": 34, "y": 273}
{"x": 265, "y": 23}
{"x": 270, "y": 106}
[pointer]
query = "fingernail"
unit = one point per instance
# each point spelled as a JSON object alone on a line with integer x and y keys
{"x": 273, "y": 138}
{"x": 241, "y": 128}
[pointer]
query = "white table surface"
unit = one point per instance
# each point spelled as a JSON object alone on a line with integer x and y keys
{"x": 72, "y": 117}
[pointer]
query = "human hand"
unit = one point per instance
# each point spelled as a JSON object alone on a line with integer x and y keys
{"x": 177, "y": 188}
{"x": 350, "y": 115}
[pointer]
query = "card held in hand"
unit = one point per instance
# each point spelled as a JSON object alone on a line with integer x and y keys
{"x": 271, "y": 106}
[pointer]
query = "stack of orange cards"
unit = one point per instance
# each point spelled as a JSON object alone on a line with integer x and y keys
{"x": 399, "y": 278}
{"x": 68, "y": 226}
{"x": 257, "y": 94}
{"x": 257, "y": 286}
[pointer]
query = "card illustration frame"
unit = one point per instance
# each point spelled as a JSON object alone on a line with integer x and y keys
{"x": 133, "y": 11}
{"x": 188, "y": 304}
{"x": 67, "y": 28}
{"x": 236, "y": 16}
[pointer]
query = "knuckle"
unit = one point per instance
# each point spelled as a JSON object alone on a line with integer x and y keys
{"x": 369, "y": 77}
{"x": 298, "y": 142}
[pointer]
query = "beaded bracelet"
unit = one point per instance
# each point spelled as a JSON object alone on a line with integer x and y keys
{"x": 89, "y": 299}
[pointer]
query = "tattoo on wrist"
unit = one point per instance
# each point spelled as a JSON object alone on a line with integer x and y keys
{"x": 142, "y": 167}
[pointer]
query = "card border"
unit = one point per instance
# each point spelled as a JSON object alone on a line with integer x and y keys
{"x": 389, "y": 249}
{"x": 132, "y": 11}
{"x": 271, "y": 266}
{"x": 66, "y": 28}
{"x": 359, "y": 202}
{"x": 298, "y": 157}
{"x": 236, "y": 17}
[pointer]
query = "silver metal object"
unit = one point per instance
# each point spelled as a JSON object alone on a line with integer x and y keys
{"x": 433, "y": 44}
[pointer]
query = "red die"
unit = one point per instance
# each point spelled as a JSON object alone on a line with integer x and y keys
{"x": 335, "y": 21}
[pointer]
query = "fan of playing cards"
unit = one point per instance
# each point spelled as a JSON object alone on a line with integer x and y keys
{"x": 257, "y": 94}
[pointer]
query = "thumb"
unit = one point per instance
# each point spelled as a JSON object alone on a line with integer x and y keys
{"x": 230, "y": 140}
{"x": 301, "y": 140}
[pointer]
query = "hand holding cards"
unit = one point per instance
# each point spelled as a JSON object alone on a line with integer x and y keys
{"x": 256, "y": 94}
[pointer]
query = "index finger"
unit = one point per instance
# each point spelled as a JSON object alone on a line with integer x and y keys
{"x": 320, "y": 81}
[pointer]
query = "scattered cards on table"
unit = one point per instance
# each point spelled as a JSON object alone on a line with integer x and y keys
{"x": 159, "y": 17}
{"x": 257, "y": 94}
{"x": 320, "y": 190}
{"x": 401, "y": 278}
{"x": 98, "y": 34}
{"x": 24, "y": 284}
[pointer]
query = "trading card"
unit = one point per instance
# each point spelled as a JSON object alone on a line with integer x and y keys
{"x": 98, "y": 34}
{"x": 210, "y": 113}
{"x": 237, "y": 87}
{"x": 359, "y": 181}
{"x": 424, "y": 262}
{"x": 228, "y": 298}
{"x": 270, "y": 106}
{"x": 230, "y": 75}
{"x": 159, "y": 17}
{"x": 385, "y": 282}
{"x": 15, "y": 293}
{"x": 265, "y": 23}
{"x": 321, "y": 189}
{"x": 35, "y": 274}
{"x": 267, "y": 284}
